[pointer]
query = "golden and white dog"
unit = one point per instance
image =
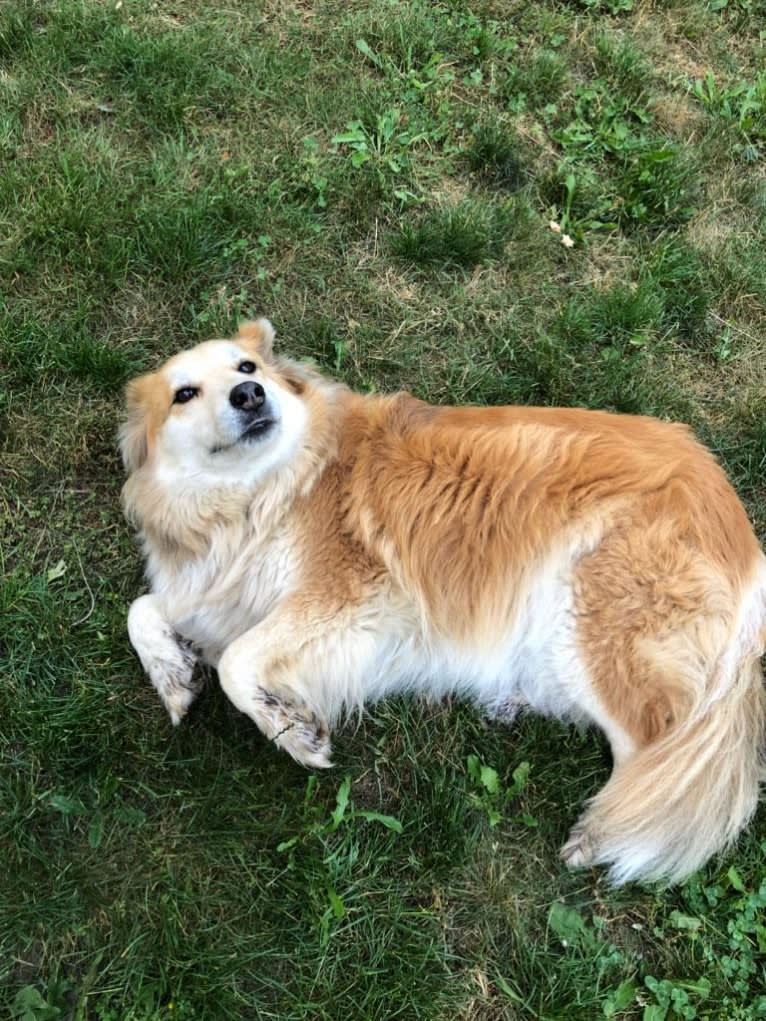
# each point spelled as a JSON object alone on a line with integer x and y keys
{"x": 322, "y": 549}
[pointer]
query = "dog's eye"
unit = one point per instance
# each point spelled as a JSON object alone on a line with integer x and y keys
{"x": 248, "y": 367}
{"x": 185, "y": 394}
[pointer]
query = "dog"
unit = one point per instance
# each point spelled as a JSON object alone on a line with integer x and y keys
{"x": 322, "y": 549}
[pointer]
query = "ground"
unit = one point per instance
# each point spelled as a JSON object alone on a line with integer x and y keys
{"x": 480, "y": 201}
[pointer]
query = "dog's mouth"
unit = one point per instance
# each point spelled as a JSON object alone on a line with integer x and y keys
{"x": 256, "y": 430}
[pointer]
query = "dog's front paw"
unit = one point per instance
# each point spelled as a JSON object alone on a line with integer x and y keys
{"x": 173, "y": 679}
{"x": 579, "y": 852}
{"x": 294, "y": 727}
{"x": 167, "y": 658}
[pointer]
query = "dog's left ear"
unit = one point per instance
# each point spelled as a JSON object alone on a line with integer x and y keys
{"x": 134, "y": 432}
{"x": 257, "y": 334}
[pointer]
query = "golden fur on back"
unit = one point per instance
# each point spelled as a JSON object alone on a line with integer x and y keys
{"x": 591, "y": 566}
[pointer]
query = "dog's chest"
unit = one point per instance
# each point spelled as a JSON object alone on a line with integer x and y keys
{"x": 213, "y": 600}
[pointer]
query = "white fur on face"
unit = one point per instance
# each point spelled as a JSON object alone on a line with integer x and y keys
{"x": 203, "y": 438}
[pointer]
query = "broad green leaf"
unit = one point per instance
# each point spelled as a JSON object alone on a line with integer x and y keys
{"x": 652, "y": 1012}
{"x": 57, "y": 571}
{"x": 567, "y": 923}
{"x": 621, "y": 998}
{"x": 385, "y": 820}
{"x": 489, "y": 779}
{"x": 287, "y": 844}
{"x": 338, "y": 908}
{"x": 700, "y": 987}
{"x": 681, "y": 921}
{"x": 96, "y": 831}
{"x": 341, "y": 803}
{"x": 735, "y": 879}
{"x": 134, "y": 817}
{"x": 67, "y": 806}
{"x": 520, "y": 776}
{"x": 504, "y": 987}
{"x": 364, "y": 47}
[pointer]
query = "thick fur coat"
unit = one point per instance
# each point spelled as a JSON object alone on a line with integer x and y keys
{"x": 322, "y": 549}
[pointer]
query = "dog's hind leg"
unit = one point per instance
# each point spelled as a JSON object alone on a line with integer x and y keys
{"x": 672, "y": 648}
{"x": 168, "y": 659}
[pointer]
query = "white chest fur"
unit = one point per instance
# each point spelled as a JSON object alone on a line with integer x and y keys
{"x": 215, "y": 598}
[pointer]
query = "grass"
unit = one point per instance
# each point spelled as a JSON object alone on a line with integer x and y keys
{"x": 461, "y": 235}
{"x": 497, "y": 155}
{"x": 396, "y": 185}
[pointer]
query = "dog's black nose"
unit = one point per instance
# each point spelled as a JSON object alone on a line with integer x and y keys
{"x": 247, "y": 396}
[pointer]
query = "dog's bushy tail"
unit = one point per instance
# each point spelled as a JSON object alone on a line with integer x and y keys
{"x": 680, "y": 800}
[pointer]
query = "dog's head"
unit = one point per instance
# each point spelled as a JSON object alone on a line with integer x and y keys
{"x": 224, "y": 411}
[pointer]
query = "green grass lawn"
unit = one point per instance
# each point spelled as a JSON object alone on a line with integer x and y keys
{"x": 479, "y": 200}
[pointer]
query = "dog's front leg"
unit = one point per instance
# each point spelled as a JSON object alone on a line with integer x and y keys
{"x": 168, "y": 659}
{"x": 270, "y": 673}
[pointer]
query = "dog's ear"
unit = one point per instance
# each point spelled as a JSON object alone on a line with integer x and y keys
{"x": 134, "y": 432}
{"x": 258, "y": 335}
{"x": 297, "y": 375}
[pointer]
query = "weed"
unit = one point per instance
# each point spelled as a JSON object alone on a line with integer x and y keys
{"x": 611, "y": 6}
{"x": 741, "y": 106}
{"x": 603, "y": 122}
{"x": 488, "y": 794}
{"x": 330, "y": 862}
{"x": 577, "y": 201}
{"x": 400, "y": 39}
{"x": 30, "y": 1005}
{"x": 315, "y": 181}
{"x": 382, "y": 147}
{"x": 738, "y": 910}
{"x": 735, "y": 5}
{"x": 675, "y": 999}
